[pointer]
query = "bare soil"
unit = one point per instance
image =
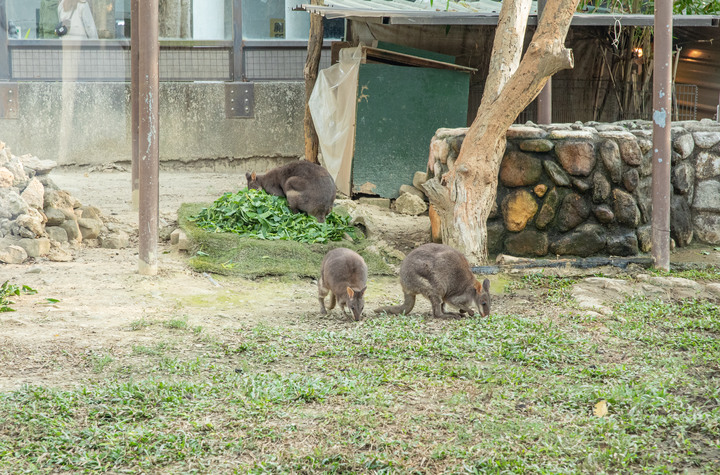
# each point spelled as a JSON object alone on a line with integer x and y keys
{"x": 92, "y": 304}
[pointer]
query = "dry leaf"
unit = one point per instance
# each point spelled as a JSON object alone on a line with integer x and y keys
{"x": 600, "y": 409}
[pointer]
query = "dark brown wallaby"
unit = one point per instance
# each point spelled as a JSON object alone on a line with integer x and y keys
{"x": 443, "y": 275}
{"x": 344, "y": 275}
{"x": 307, "y": 186}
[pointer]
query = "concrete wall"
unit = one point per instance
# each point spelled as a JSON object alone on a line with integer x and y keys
{"x": 89, "y": 123}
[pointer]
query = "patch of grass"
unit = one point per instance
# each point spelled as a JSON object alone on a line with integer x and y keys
{"x": 709, "y": 273}
{"x": 177, "y": 323}
{"x": 556, "y": 289}
{"x": 8, "y": 290}
{"x": 230, "y": 254}
{"x": 139, "y": 324}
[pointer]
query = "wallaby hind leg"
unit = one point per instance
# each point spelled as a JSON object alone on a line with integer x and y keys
{"x": 332, "y": 301}
{"x": 438, "y": 308}
{"x": 322, "y": 293}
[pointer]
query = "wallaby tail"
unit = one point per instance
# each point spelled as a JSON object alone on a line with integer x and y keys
{"x": 404, "y": 307}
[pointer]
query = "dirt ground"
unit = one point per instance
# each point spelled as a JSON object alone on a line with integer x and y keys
{"x": 100, "y": 295}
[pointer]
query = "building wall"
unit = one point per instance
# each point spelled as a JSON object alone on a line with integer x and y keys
{"x": 76, "y": 123}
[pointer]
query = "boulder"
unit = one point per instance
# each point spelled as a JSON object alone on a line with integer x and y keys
{"x": 644, "y": 236}
{"x": 56, "y": 233}
{"x": 517, "y": 209}
{"x": 631, "y": 178}
{"x": 527, "y": 243}
{"x": 706, "y": 227}
{"x": 34, "y": 166}
{"x": 72, "y": 229}
{"x": 89, "y": 227}
{"x": 557, "y": 174}
{"x": 519, "y": 169}
{"x": 537, "y": 145}
{"x": 548, "y": 209}
{"x": 403, "y": 189}
{"x": 622, "y": 242}
{"x": 120, "y": 240}
{"x": 604, "y": 214}
{"x": 601, "y": 188}
{"x": 706, "y": 139}
{"x": 707, "y": 196}
{"x": 419, "y": 178}
{"x": 586, "y": 240}
{"x": 573, "y": 211}
{"x": 577, "y": 158}
{"x": 35, "y": 247}
{"x": 31, "y": 224}
{"x": 11, "y": 204}
{"x": 495, "y": 236}
{"x": 610, "y": 154}
{"x": 12, "y": 254}
{"x": 683, "y": 145}
{"x": 707, "y": 166}
{"x": 630, "y": 152}
{"x": 625, "y": 208}
{"x": 6, "y": 178}
{"x": 683, "y": 179}
{"x": 55, "y": 217}
{"x": 410, "y": 204}
{"x": 681, "y": 228}
{"x": 34, "y": 194}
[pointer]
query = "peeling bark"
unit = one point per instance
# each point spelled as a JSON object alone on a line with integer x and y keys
{"x": 310, "y": 72}
{"x": 464, "y": 196}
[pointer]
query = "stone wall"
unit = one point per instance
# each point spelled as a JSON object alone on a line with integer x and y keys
{"x": 585, "y": 189}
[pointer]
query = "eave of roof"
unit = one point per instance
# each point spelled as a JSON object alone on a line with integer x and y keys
{"x": 484, "y": 12}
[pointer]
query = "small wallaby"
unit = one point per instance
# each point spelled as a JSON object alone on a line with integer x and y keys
{"x": 307, "y": 186}
{"x": 344, "y": 275}
{"x": 443, "y": 275}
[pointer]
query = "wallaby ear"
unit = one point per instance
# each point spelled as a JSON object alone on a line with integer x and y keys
{"x": 253, "y": 176}
{"x": 486, "y": 285}
{"x": 362, "y": 292}
{"x": 350, "y": 292}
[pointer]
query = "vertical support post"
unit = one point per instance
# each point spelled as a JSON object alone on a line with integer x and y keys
{"x": 148, "y": 166}
{"x": 238, "y": 72}
{"x": 4, "y": 51}
{"x": 135, "y": 101}
{"x": 544, "y": 99}
{"x": 310, "y": 72}
{"x": 662, "y": 96}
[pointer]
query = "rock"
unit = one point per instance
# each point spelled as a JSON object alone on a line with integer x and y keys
{"x": 175, "y": 236}
{"x": 631, "y": 178}
{"x": 35, "y": 247}
{"x": 707, "y": 166}
{"x": 577, "y": 158}
{"x": 677, "y": 286}
{"x": 645, "y": 167}
{"x": 582, "y": 185}
{"x": 573, "y": 211}
{"x": 11, "y": 204}
{"x": 20, "y": 178}
{"x": 91, "y": 212}
{"x": 34, "y": 194}
{"x": 557, "y": 174}
{"x": 89, "y": 227}
{"x": 527, "y": 243}
{"x": 519, "y": 169}
{"x": 681, "y": 228}
{"x": 6, "y": 178}
{"x": 622, "y": 243}
{"x": 60, "y": 199}
{"x": 706, "y": 139}
{"x": 610, "y": 154}
{"x": 56, "y": 233}
{"x": 495, "y": 236}
{"x": 412, "y": 190}
{"x": 47, "y": 182}
{"x": 683, "y": 145}
{"x": 379, "y": 202}
{"x": 586, "y": 240}
{"x": 439, "y": 151}
{"x": 683, "y": 179}
{"x": 707, "y": 196}
{"x": 72, "y": 229}
{"x": 120, "y": 240}
{"x": 418, "y": 179}
{"x": 645, "y": 146}
{"x": 35, "y": 166}
{"x": 604, "y": 214}
{"x": 518, "y": 208}
{"x": 644, "y": 236}
{"x": 536, "y": 145}
{"x": 601, "y": 188}
{"x": 706, "y": 227}
{"x": 643, "y": 196}
{"x": 625, "y": 208}
{"x": 540, "y": 190}
{"x": 549, "y": 208}
{"x": 630, "y": 152}
{"x": 410, "y": 204}
{"x": 33, "y": 222}
{"x": 58, "y": 254}
{"x": 559, "y": 134}
{"x": 55, "y": 217}
{"x": 517, "y": 131}
{"x": 12, "y": 254}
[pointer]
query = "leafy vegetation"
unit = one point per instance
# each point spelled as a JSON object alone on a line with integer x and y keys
{"x": 392, "y": 394}
{"x": 257, "y": 214}
{"x": 680, "y": 7}
{"x": 231, "y": 254}
{"x": 8, "y": 290}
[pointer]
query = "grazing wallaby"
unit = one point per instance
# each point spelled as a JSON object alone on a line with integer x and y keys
{"x": 344, "y": 275}
{"x": 443, "y": 275}
{"x": 307, "y": 186}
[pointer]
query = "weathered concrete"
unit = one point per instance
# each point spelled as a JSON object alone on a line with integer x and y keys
{"x": 89, "y": 123}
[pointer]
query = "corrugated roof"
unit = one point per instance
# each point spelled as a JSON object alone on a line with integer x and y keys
{"x": 476, "y": 12}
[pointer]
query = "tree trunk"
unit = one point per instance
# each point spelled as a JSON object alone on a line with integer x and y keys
{"x": 464, "y": 196}
{"x": 310, "y": 72}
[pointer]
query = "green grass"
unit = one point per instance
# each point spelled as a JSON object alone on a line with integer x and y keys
{"x": 392, "y": 394}
{"x": 230, "y": 254}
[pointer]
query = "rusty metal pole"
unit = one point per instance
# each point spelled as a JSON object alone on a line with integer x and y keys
{"x": 544, "y": 99}
{"x": 135, "y": 101}
{"x": 662, "y": 96}
{"x": 148, "y": 166}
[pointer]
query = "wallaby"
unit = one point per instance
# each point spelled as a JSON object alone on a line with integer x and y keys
{"x": 307, "y": 186}
{"x": 344, "y": 275}
{"x": 443, "y": 275}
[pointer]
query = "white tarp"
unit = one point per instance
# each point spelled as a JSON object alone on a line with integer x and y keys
{"x": 332, "y": 107}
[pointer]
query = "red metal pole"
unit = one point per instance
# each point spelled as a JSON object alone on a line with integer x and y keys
{"x": 135, "y": 101}
{"x": 662, "y": 96}
{"x": 148, "y": 166}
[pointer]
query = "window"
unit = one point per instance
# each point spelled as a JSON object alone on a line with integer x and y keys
{"x": 275, "y": 19}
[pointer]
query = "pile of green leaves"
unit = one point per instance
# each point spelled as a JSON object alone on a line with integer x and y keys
{"x": 8, "y": 290}
{"x": 255, "y": 213}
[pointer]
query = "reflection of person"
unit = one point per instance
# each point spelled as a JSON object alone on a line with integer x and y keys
{"x": 77, "y": 13}
{"x": 48, "y": 18}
